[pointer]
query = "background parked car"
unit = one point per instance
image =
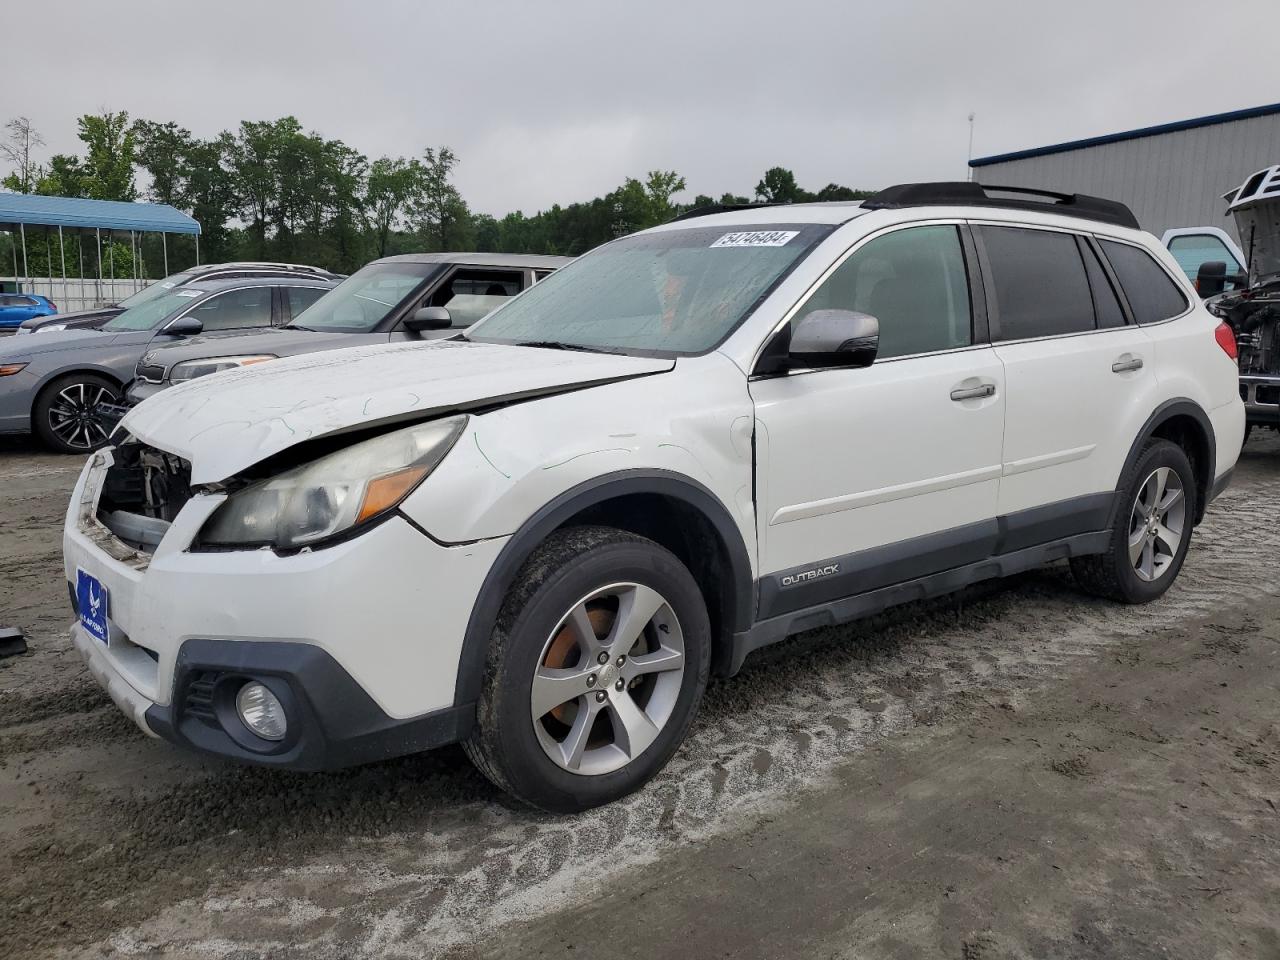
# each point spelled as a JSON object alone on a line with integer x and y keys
{"x": 61, "y": 387}
{"x": 17, "y": 307}
{"x": 93, "y": 319}
{"x": 415, "y": 296}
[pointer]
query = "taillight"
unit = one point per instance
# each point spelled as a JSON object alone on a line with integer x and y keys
{"x": 54, "y": 306}
{"x": 1226, "y": 338}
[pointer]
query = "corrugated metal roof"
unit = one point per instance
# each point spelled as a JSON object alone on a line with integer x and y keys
{"x": 32, "y": 210}
{"x": 1191, "y": 124}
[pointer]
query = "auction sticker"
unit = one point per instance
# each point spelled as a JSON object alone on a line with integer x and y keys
{"x": 757, "y": 238}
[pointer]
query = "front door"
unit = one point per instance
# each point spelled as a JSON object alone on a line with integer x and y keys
{"x": 880, "y": 475}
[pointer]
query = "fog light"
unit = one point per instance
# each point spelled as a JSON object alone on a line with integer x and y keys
{"x": 260, "y": 711}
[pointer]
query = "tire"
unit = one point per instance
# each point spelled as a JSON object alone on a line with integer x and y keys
{"x": 1131, "y": 571}
{"x": 65, "y": 414}
{"x": 620, "y": 721}
{"x": 1248, "y": 429}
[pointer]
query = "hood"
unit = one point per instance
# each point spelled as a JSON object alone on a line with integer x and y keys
{"x": 226, "y": 422}
{"x": 81, "y": 318}
{"x": 19, "y": 348}
{"x": 279, "y": 341}
{"x": 1259, "y": 227}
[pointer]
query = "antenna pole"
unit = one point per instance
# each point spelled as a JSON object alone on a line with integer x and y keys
{"x": 971, "y": 116}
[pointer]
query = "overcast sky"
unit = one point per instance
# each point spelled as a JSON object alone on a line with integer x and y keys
{"x": 560, "y": 101}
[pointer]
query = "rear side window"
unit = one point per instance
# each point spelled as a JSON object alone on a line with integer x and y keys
{"x": 302, "y": 297}
{"x": 1152, "y": 294}
{"x": 914, "y": 282}
{"x": 1039, "y": 285}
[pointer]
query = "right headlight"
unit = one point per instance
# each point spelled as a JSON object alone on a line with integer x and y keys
{"x": 190, "y": 369}
{"x": 317, "y": 501}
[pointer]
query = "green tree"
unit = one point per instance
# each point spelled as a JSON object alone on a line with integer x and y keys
{"x": 164, "y": 150}
{"x": 109, "y": 156}
{"x": 779, "y": 186}
{"x": 442, "y": 214}
{"x": 394, "y": 191}
{"x": 660, "y": 186}
{"x": 64, "y": 178}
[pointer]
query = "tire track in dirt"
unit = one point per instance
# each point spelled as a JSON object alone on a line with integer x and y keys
{"x": 419, "y": 857}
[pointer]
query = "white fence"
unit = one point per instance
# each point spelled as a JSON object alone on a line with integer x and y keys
{"x": 74, "y": 294}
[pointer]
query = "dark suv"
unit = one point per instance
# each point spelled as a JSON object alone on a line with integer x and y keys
{"x": 418, "y": 296}
{"x": 95, "y": 318}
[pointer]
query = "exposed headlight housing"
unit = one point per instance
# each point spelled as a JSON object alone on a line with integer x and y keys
{"x": 190, "y": 369}
{"x": 318, "y": 501}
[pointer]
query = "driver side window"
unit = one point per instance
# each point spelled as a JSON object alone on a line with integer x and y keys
{"x": 235, "y": 309}
{"x": 913, "y": 281}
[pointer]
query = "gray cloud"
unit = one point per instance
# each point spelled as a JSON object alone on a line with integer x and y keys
{"x": 559, "y": 101}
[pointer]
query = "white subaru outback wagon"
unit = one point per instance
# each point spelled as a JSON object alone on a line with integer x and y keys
{"x": 539, "y": 538}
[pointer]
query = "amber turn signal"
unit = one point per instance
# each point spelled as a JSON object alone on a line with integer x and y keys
{"x": 385, "y": 492}
{"x": 9, "y": 369}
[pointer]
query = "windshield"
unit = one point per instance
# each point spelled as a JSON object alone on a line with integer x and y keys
{"x": 672, "y": 292}
{"x": 157, "y": 289}
{"x": 154, "y": 312}
{"x": 363, "y": 300}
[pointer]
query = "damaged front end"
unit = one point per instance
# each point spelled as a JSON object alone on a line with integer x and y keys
{"x": 143, "y": 490}
{"x": 1254, "y": 312}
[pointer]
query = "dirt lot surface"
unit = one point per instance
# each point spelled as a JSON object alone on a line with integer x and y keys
{"x": 1020, "y": 771}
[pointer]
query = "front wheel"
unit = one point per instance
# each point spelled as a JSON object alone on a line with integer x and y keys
{"x": 596, "y": 667}
{"x": 1151, "y": 530}
{"x": 68, "y": 414}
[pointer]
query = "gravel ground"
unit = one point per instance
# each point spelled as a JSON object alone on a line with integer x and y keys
{"x": 1016, "y": 771}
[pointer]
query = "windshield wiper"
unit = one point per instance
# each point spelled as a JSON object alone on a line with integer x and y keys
{"x": 297, "y": 326}
{"x": 561, "y": 345}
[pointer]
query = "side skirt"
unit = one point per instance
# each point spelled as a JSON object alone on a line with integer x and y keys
{"x": 778, "y": 628}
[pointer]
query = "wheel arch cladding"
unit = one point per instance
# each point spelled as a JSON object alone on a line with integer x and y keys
{"x": 1183, "y": 422}
{"x": 675, "y": 511}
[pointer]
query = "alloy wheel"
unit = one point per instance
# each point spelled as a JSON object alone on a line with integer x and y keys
{"x": 75, "y": 416}
{"x": 1157, "y": 524}
{"x": 608, "y": 679}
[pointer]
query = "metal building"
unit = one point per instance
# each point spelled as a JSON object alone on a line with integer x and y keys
{"x": 1171, "y": 175}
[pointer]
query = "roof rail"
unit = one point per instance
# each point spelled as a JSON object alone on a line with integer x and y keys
{"x": 711, "y": 208}
{"x": 970, "y": 194}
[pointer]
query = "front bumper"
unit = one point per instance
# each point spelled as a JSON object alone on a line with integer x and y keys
{"x": 361, "y": 640}
{"x": 139, "y": 390}
{"x": 1261, "y": 396}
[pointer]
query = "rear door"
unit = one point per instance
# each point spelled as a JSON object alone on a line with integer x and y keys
{"x": 1077, "y": 374}
{"x": 878, "y": 475}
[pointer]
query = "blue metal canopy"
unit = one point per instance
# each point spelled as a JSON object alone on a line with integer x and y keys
{"x": 32, "y": 210}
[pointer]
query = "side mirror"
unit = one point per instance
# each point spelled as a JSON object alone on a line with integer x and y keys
{"x": 1211, "y": 278}
{"x": 429, "y": 318}
{"x": 834, "y": 338}
{"x": 184, "y": 327}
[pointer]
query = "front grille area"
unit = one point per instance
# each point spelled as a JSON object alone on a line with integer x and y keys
{"x": 1267, "y": 393}
{"x": 143, "y": 491}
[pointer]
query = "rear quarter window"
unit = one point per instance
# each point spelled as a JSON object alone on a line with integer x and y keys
{"x": 1151, "y": 292}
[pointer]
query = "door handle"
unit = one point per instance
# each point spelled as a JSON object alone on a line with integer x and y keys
{"x": 974, "y": 393}
{"x": 1125, "y": 366}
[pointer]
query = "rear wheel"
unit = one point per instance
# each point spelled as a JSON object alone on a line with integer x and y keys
{"x": 1151, "y": 530}
{"x": 68, "y": 414}
{"x": 597, "y": 664}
